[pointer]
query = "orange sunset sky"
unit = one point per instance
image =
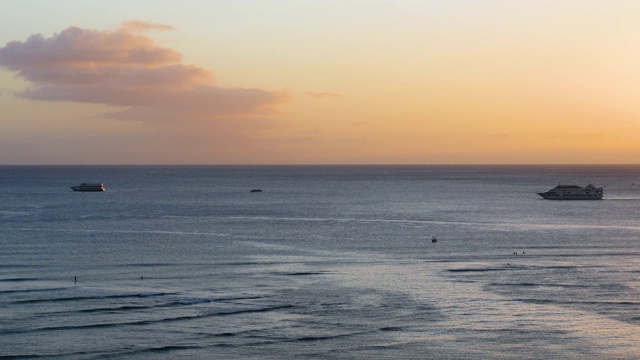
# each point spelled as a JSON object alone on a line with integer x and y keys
{"x": 319, "y": 82}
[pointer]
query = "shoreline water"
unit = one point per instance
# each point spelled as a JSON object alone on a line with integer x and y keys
{"x": 326, "y": 262}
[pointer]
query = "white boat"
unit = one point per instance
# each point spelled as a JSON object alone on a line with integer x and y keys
{"x": 89, "y": 187}
{"x": 574, "y": 192}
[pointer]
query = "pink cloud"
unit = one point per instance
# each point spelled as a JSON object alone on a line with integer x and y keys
{"x": 76, "y": 47}
{"x": 119, "y": 86}
{"x": 122, "y": 68}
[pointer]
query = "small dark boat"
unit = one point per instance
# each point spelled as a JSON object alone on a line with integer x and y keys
{"x": 88, "y": 187}
{"x": 433, "y": 239}
{"x": 256, "y": 190}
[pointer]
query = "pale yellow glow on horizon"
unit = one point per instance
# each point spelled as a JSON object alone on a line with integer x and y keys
{"x": 380, "y": 82}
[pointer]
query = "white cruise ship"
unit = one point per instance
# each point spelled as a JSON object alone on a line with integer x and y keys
{"x": 574, "y": 192}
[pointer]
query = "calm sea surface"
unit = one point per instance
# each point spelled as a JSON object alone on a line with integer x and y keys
{"x": 325, "y": 263}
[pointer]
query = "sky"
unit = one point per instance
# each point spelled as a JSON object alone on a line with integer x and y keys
{"x": 319, "y": 82}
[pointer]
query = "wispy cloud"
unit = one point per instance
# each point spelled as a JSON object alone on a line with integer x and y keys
{"x": 122, "y": 67}
{"x": 320, "y": 95}
{"x": 142, "y": 26}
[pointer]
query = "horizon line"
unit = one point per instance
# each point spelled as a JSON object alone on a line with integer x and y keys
{"x": 353, "y": 164}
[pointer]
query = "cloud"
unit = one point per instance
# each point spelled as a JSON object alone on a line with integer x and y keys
{"x": 76, "y": 48}
{"x": 142, "y": 26}
{"x": 206, "y": 103}
{"x": 124, "y": 68}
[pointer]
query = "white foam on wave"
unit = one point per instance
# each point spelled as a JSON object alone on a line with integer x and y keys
{"x": 355, "y": 220}
{"x": 493, "y": 226}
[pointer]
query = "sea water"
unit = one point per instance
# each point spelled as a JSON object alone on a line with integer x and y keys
{"x": 327, "y": 262}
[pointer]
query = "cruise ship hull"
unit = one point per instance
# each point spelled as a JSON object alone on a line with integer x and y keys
{"x": 574, "y": 192}
{"x": 569, "y": 197}
{"x": 75, "y": 188}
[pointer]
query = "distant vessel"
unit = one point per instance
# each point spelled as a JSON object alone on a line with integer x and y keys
{"x": 89, "y": 187}
{"x": 256, "y": 190}
{"x": 433, "y": 239}
{"x": 574, "y": 192}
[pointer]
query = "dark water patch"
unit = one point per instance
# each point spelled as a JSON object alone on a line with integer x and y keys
{"x": 168, "y": 348}
{"x": 633, "y": 303}
{"x": 93, "y": 297}
{"x": 148, "y": 351}
{"x": 226, "y": 334}
{"x": 32, "y": 290}
{"x": 562, "y": 267}
{"x": 603, "y": 303}
{"x": 125, "y": 308}
{"x": 509, "y": 267}
{"x": 578, "y": 302}
{"x": 329, "y": 304}
{"x": 539, "y": 301}
{"x": 20, "y": 279}
{"x": 254, "y": 310}
{"x": 613, "y": 286}
{"x": 527, "y": 284}
{"x": 115, "y": 309}
{"x": 486, "y": 269}
{"x": 224, "y": 345}
{"x": 391, "y": 328}
{"x": 323, "y": 337}
{"x": 43, "y": 356}
{"x": 214, "y": 299}
{"x": 19, "y": 266}
{"x": 466, "y": 281}
{"x": 119, "y": 309}
{"x": 305, "y": 273}
{"x": 150, "y": 322}
{"x": 213, "y": 314}
{"x": 68, "y": 327}
{"x": 144, "y": 265}
{"x": 248, "y": 333}
{"x": 524, "y": 331}
{"x": 514, "y": 284}
{"x": 245, "y": 263}
{"x": 100, "y": 325}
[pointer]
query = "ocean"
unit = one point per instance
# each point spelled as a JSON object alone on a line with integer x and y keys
{"x": 327, "y": 262}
